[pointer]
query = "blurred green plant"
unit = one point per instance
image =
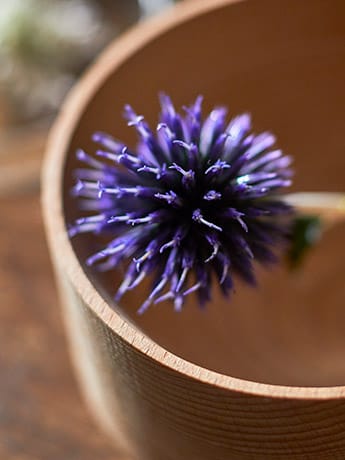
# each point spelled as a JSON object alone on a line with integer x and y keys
{"x": 306, "y": 232}
{"x": 44, "y": 44}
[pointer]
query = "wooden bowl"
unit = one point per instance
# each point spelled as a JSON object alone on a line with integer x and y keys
{"x": 262, "y": 376}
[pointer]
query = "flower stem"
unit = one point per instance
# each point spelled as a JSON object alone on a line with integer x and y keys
{"x": 329, "y": 206}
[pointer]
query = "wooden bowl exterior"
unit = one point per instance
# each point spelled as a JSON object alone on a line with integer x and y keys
{"x": 255, "y": 55}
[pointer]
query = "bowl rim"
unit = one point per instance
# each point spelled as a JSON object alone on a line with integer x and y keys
{"x": 60, "y": 245}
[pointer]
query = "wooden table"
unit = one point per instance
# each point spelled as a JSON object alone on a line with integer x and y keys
{"x": 42, "y": 415}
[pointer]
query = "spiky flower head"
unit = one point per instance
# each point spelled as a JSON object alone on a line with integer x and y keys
{"x": 195, "y": 201}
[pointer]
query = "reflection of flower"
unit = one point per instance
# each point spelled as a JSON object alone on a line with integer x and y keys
{"x": 196, "y": 198}
{"x": 43, "y": 44}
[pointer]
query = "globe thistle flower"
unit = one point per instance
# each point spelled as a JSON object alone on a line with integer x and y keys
{"x": 196, "y": 201}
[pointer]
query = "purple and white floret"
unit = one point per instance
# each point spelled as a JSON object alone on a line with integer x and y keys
{"x": 196, "y": 202}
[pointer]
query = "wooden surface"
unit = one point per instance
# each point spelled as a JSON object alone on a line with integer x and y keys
{"x": 262, "y": 377}
{"x": 42, "y": 416}
{"x": 308, "y": 36}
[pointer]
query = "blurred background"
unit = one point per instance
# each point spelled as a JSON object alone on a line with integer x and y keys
{"x": 44, "y": 47}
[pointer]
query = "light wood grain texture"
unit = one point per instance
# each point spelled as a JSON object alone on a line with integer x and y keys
{"x": 42, "y": 416}
{"x": 260, "y": 377}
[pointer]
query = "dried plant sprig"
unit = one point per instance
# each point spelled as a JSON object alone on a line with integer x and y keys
{"x": 197, "y": 199}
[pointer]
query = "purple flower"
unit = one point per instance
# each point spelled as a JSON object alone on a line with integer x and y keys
{"x": 196, "y": 200}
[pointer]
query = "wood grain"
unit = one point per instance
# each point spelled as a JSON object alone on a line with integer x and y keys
{"x": 261, "y": 377}
{"x": 42, "y": 416}
{"x": 21, "y": 152}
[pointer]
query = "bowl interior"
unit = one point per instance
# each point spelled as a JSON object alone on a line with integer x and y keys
{"x": 284, "y": 62}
